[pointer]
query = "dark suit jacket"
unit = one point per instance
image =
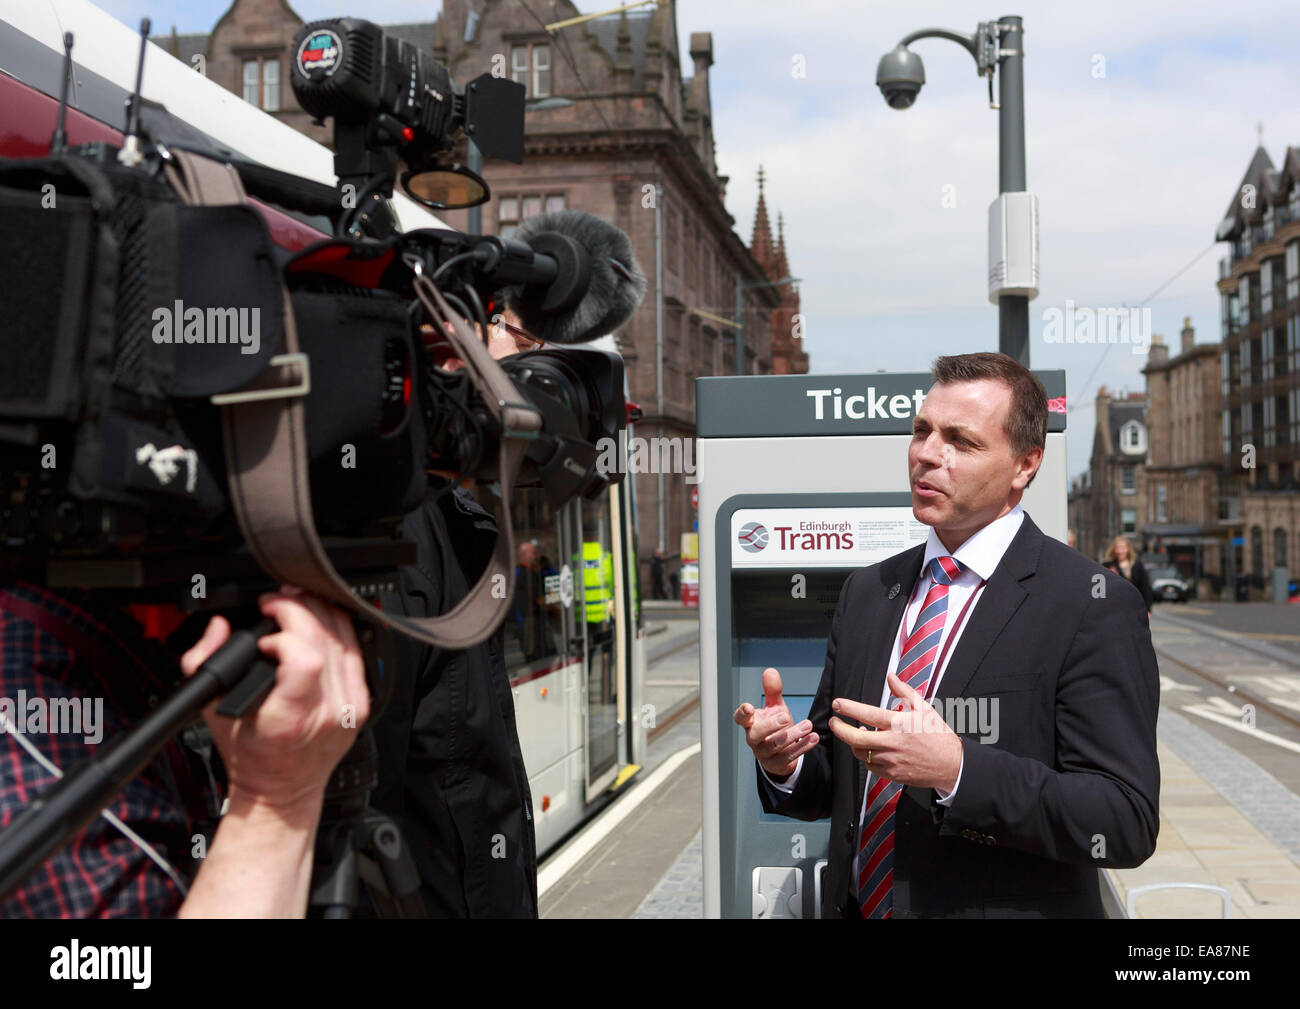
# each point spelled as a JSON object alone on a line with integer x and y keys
{"x": 1071, "y": 784}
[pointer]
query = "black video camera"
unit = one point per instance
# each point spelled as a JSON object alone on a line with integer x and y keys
{"x": 386, "y": 96}
{"x": 134, "y": 316}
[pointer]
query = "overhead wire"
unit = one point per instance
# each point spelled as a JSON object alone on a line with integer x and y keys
{"x": 1083, "y": 399}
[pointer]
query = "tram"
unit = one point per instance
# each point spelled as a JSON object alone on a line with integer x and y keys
{"x": 575, "y": 651}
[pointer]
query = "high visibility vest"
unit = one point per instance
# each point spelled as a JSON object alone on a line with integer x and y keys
{"x": 597, "y": 582}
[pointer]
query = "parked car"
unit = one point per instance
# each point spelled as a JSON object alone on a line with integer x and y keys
{"x": 1168, "y": 585}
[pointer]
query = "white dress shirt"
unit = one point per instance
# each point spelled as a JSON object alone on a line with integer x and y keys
{"x": 979, "y": 557}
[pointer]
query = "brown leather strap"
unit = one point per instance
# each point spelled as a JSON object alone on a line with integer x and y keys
{"x": 264, "y": 431}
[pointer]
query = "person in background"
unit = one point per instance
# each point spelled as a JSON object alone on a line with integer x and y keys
{"x": 657, "y": 575}
{"x": 1121, "y": 559}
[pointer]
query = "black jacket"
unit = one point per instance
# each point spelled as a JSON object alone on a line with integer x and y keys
{"x": 451, "y": 770}
{"x": 1139, "y": 578}
{"x": 1071, "y": 783}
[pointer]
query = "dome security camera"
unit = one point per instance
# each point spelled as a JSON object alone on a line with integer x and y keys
{"x": 899, "y": 76}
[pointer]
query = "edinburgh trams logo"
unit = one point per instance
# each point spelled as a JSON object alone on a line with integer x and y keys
{"x": 752, "y": 537}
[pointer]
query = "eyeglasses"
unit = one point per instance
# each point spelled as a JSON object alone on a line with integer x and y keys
{"x": 524, "y": 341}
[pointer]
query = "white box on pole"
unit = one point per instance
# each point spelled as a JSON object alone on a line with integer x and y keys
{"x": 1013, "y": 246}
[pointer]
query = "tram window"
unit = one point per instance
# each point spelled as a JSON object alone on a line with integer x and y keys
{"x": 534, "y": 630}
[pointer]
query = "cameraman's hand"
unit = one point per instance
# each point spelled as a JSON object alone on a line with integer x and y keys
{"x": 286, "y": 750}
{"x": 279, "y": 758}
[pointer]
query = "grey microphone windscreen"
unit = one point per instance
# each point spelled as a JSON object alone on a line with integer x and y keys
{"x": 616, "y": 288}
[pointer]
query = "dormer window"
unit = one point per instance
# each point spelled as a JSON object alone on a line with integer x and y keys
{"x": 1133, "y": 438}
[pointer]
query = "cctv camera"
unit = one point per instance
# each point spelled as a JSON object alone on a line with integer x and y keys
{"x": 900, "y": 76}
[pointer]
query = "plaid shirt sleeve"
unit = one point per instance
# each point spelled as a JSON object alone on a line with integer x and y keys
{"x": 100, "y": 873}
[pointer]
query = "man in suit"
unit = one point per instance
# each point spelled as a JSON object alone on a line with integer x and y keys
{"x": 1045, "y": 768}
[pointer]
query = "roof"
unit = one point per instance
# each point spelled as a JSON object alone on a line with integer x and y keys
{"x": 1272, "y": 187}
{"x": 418, "y": 33}
{"x": 606, "y": 29}
{"x": 185, "y": 48}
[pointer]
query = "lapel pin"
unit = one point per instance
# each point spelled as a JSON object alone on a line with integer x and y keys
{"x": 894, "y": 590}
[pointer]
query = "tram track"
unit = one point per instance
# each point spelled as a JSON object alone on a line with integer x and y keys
{"x": 1245, "y": 694}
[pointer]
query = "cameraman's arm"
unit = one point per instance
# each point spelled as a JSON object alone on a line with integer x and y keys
{"x": 279, "y": 759}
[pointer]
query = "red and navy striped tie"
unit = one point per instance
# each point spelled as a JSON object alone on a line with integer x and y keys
{"x": 874, "y": 865}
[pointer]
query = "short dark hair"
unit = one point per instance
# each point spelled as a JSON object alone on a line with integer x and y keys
{"x": 1026, "y": 423}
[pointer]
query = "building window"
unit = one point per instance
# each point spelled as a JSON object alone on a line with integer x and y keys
{"x": 1257, "y": 550}
{"x": 1132, "y": 437}
{"x": 1279, "y": 547}
{"x": 530, "y": 65}
{"x": 1129, "y": 517}
{"x": 261, "y": 79}
{"x": 513, "y": 209}
{"x": 1128, "y": 479}
{"x": 1162, "y": 512}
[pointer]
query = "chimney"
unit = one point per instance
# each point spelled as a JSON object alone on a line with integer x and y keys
{"x": 1188, "y": 335}
{"x": 1157, "y": 353}
{"x": 702, "y": 52}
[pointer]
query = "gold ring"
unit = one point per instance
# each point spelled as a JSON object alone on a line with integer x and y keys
{"x": 868, "y": 758}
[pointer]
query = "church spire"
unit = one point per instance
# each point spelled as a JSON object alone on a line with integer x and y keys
{"x": 781, "y": 264}
{"x": 761, "y": 244}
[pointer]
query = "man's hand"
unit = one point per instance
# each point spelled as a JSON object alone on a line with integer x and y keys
{"x": 285, "y": 751}
{"x": 776, "y": 743}
{"x": 912, "y": 745}
{"x": 279, "y": 758}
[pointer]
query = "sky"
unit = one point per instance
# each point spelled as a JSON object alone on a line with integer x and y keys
{"x": 1140, "y": 121}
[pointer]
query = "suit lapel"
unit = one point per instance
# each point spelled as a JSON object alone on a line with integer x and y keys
{"x": 1001, "y": 598}
{"x": 897, "y": 576}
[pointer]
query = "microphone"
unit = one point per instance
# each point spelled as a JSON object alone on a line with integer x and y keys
{"x": 595, "y": 267}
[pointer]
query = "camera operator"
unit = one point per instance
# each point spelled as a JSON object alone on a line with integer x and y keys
{"x": 80, "y": 646}
{"x": 451, "y": 770}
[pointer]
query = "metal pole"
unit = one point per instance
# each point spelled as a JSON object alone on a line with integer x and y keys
{"x": 659, "y": 346}
{"x": 475, "y": 165}
{"x": 1013, "y": 310}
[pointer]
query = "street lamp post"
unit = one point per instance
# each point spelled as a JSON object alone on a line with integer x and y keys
{"x": 741, "y": 288}
{"x": 1013, "y": 239}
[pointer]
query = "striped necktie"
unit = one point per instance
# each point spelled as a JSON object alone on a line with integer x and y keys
{"x": 874, "y": 865}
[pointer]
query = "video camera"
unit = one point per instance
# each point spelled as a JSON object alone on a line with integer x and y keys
{"x": 179, "y": 395}
{"x": 137, "y": 317}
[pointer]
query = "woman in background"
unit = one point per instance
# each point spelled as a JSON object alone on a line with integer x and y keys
{"x": 1121, "y": 559}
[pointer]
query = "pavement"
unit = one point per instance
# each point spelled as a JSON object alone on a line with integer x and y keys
{"x": 1229, "y": 803}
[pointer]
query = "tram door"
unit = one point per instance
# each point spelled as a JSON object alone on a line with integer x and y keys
{"x": 541, "y": 627}
{"x": 594, "y": 606}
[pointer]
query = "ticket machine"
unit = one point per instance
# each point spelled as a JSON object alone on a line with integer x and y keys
{"x": 802, "y": 478}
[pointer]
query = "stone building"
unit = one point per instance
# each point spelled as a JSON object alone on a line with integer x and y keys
{"x": 1185, "y": 458}
{"x": 613, "y": 127}
{"x": 1259, "y": 289}
{"x": 1111, "y": 499}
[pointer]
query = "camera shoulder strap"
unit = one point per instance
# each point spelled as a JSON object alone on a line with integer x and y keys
{"x": 264, "y": 431}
